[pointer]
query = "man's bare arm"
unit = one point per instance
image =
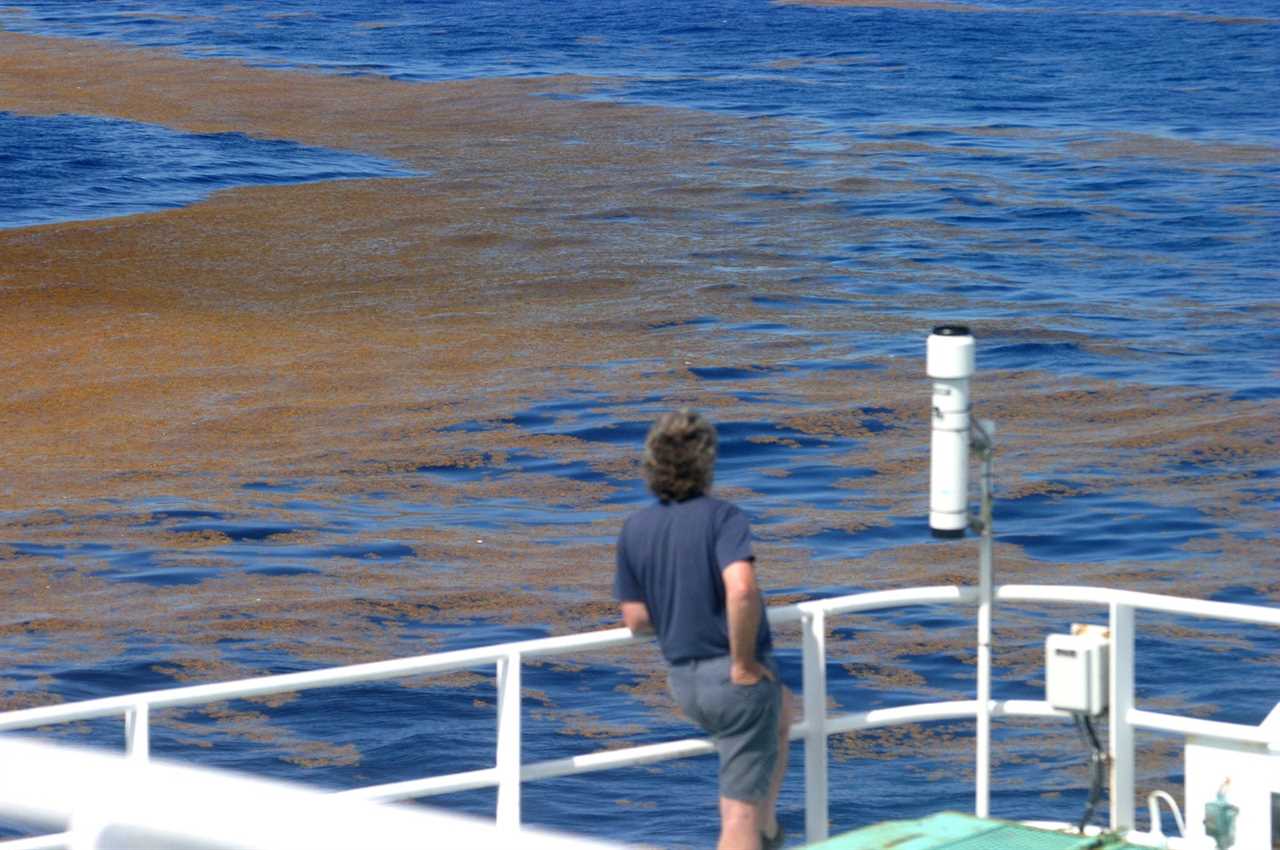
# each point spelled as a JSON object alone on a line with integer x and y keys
{"x": 744, "y": 610}
{"x": 635, "y": 616}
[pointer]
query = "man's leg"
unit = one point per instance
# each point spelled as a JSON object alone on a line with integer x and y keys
{"x": 739, "y": 826}
{"x": 767, "y": 809}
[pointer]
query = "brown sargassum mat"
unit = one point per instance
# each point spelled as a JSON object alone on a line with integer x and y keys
{"x": 338, "y": 334}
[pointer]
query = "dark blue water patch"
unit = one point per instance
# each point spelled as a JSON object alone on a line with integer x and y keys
{"x": 573, "y": 470}
{"x": 580, "y": 420}
{"x": 274, "y": 486}
{"x": 1222, "y": 654}
{"x": 237, "y": 531}
{"x": 1241, "y": 594}
{"x": 741, "y": 440}
{"x": 730, "y": 373}
{"x": 444, "y": 729}
{"x": 484, "y": 633}
{"x": 68, "y": 167}
{"x": 282, "y": 570}
{"x": 943, "y": 671}
{"x": 1257, "y": 393}
{"x": 1048, "y": 356}
{"x": 615, "y": 434}
{"x": 761, "y": 328}
{"x": 40, "y": 550}
{"x": 146, "y": 566}
{"x": 1099, "y": 528}
{"x": 530, "y": 420}
{"x": 800, "y": 300}
{"x": 135, "y": 671}
{"x": 580, "y": 403}
{"x": 157, "y": 517}
{"x": 875, "y": 426}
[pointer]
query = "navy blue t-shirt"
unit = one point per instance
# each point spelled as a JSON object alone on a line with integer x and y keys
{"x": 671, "y": 557}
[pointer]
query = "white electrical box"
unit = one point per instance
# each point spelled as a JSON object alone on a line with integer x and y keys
{"x": 1075, "y": 670}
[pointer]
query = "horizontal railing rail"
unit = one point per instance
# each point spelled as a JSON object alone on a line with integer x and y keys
{"x": 814, "y": 728}
{"x": 374, "y": 671}
{"x": 1102, "y": 596}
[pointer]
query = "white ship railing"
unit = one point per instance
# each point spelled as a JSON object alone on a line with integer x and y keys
{"x": 112, "y": 803}
{"x": 815, "y": 727}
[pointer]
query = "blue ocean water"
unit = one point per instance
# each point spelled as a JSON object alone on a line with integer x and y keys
{"x": 1113, "y": 169}
{"x": 68, "y": 167}
{"x": 1083, "y": 162}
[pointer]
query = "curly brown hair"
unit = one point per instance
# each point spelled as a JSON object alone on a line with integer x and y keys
{"x": 680, "y": 455}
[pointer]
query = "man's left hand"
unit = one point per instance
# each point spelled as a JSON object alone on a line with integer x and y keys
{"x": 749, "y": 672}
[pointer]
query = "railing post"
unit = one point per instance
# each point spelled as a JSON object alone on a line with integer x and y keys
{"x": 84, "y": 832}
{"x": 982, "y": 731}
{"x": 815, "y": 717}
{"x": 1121, "y": 743}
{"x": 137, "y": 732}
{"x": 986, "y": 570}
{"x": 508, "y": 761}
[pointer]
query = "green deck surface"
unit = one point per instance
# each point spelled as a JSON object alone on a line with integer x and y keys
{"x": 951, "y": 831}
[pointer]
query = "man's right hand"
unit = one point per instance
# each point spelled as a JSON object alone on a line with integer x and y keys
{"x": 749, "y": 672}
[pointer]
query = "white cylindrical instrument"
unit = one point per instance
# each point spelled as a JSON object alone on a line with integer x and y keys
{"x": 950, "y": 365}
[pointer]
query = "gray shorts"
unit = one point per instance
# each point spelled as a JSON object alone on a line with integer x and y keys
{"x": 742, "y": 721}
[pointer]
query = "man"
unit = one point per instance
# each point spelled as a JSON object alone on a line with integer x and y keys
{"x": 685, "y": 570}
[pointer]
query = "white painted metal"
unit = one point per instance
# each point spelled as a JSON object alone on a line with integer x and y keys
{"x": 586, "y": 763}
{"x": 137, "y": 732}
{"x": 1195, "y": 726}
{"x": 1246, "y": 775}
{"x": 1121, "y": 732}
{"x": 816, "y": 725}
{"x": 509, "y": 740}
{"x": 1076, "y": 669}
{"x": 1024, "y": 708}
{"x": 924, "y": 713}
{"x": 1059, "y": 593}
{"x": 134, "y": 805}
{"x": 949, "y": 363}
{"x": 631, "y": 757}
{"x": 982, "y": 747}
{"x": 56, "y": 841}
{"x": 1153, "y": 808}
{"x": 415, "y": 789}
{"x": 815, "y": 720}
{"x": 881, "y": 599}
{"x": 88, "y": 830}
